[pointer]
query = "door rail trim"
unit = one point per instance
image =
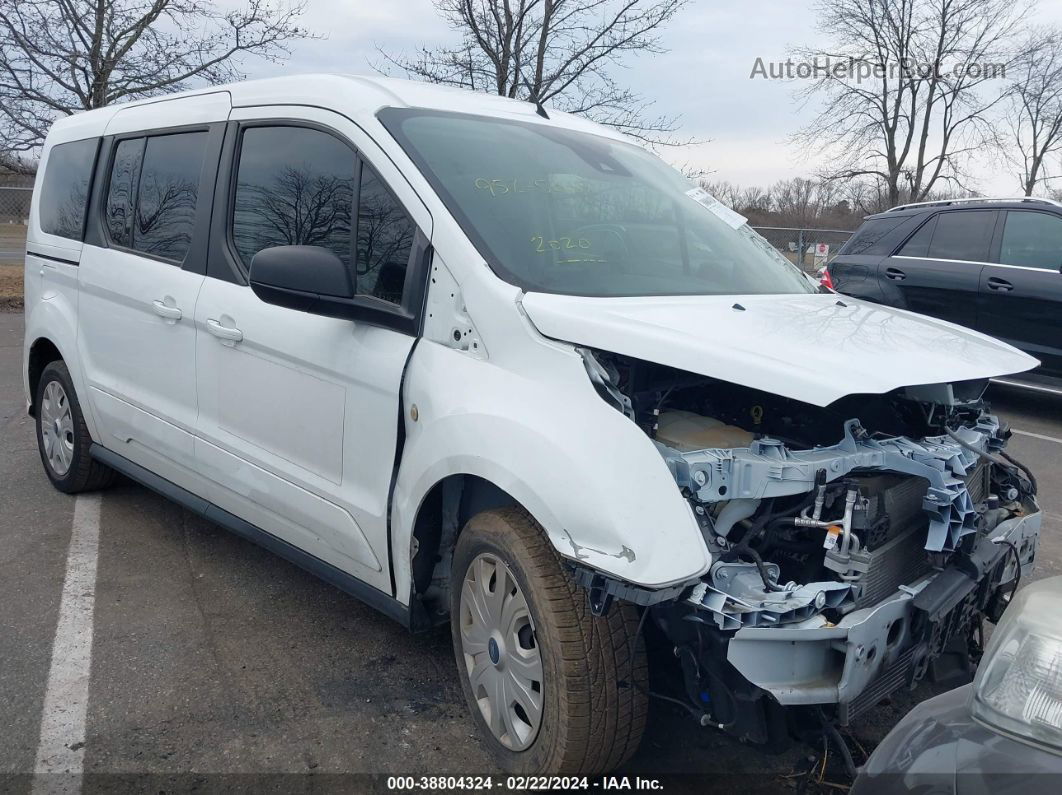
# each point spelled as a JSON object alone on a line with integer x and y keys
{"x": 941, "y": 259}
{"x": 32, "y": 253}
{"x": 975, "y": 262}
{"x": 1022, "y": 267}
{"x": 1035, "y": 387}
{"x": 345, "y": 582}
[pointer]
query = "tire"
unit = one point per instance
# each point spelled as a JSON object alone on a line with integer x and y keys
{"x": 62, "y": 436}
{"x": 594, "y": 674}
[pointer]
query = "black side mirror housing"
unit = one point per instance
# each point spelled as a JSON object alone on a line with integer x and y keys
{"x": 300, "y": 277}
{"x": 313, "y": 279}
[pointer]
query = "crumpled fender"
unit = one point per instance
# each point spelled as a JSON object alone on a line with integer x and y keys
{"x": 588, "y": 475}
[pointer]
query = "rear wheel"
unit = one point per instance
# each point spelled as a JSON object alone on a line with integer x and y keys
{"x": 62, "y": 436}
{"x": 552, "y": 688}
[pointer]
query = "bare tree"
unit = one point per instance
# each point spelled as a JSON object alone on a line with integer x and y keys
{"x": 797, "y": 200}
{"x": 1034, "y": 113}
{"x": 754, "y": 200}
{"x": 911, "y": 98}
{"x": 727, "y": 192}
{"x": 58, "y": 57}
{"x": 810, "y": 204}
{"x": 557, "y": 51}
{"x": 298, "y": 206}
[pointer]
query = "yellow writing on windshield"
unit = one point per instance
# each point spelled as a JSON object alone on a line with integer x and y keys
{"x": 543, "y": 245}
{"x": 503, "y": 187}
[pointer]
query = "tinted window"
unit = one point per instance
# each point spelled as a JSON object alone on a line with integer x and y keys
{"x": 385, "y": 237}
{"x": 1032, "y": 239}
{"x": 963, "y": 235}
{"x": 294, "y": 186}
{"x": 918, "y": 244}
{"x": 122, "y": 190}
{"x": 166, "y": 196}
{"x": 872, "y": 236}
{"x": 564, "y": 211}
{"x": 64, "y": 193}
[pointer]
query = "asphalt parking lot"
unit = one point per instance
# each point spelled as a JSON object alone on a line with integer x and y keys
{"x": 211, "y": 656}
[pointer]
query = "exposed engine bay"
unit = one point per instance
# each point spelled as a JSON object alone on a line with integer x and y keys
{"x": 855, "y": 548}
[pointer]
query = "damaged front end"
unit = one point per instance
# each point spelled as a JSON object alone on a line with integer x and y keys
{"x": 855, "y": 547}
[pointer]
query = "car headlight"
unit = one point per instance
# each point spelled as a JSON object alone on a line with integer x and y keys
{"x": 1018, "y": 688}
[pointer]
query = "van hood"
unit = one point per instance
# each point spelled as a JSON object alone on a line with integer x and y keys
{"x": 815, "y": 348}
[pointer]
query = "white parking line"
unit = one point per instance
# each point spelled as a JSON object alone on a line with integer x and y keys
{"x": 1054, "y": 439}
{"x": 61, "y": 749}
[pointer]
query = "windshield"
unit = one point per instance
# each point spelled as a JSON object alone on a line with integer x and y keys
{"x": 560, "y": 211}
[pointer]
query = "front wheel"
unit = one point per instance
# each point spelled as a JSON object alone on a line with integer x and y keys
{"x": 552, "y": 688}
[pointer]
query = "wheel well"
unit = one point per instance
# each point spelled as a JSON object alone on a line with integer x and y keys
{"x": 42, "y": 352}
{"x": 444, "y": 511}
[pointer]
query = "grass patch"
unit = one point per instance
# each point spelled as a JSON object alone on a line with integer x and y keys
{"x": 11, "y": 288}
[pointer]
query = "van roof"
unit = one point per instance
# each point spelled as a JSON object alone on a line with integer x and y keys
{"x": 355, "y": 96}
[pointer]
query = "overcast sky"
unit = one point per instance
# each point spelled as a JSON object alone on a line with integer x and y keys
{"x": 704, "y": 78}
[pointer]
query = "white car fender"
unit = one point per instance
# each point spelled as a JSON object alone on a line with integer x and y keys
{"x": 53, "y": 318}
{"x": 587, "y": 474}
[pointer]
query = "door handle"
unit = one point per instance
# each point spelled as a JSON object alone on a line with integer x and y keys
{"x": 895, "y": 274}
{"x": 223, "y": 332}
{"x": 1000, "y": 284}
{"x": 166, "y": 311}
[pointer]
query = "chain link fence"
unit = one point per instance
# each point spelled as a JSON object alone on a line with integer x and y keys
{"x": 808, "y": 248}
{"x": 14, "y": 205}
{"x": 14, "y": 212}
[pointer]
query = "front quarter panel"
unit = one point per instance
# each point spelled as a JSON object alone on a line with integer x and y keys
{"x": 589, "y": 475}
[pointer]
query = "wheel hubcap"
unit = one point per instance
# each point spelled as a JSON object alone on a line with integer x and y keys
{"x": 501, "y": 653}
{"x": 57, "y": 429}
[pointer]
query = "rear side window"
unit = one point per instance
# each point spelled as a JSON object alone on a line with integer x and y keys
{"x": 294, "y": 186}
{"x": 385, "y": 238}
{"x": 64, "y": 191}
{"x": 166, "y": 196}
{"x": 1031, "y": 239}
{"x": 963, "y": 235}
{"x": 152, "y": 194}
{"x": 918, "y": 244}
{"x": 121, "y": 194}
{"x": 872, "y": 236}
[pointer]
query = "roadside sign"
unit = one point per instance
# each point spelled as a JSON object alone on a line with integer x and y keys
{"x": 822, "y": 253}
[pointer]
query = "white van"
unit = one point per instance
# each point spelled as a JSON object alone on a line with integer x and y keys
{"x": 480, "y": 362}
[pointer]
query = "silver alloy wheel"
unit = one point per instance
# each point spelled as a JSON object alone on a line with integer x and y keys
{"x": 501, "y": 652}
{"x": 57, "y": 429}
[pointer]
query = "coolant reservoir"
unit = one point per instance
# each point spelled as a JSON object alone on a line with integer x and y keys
{"x": 685, "y": 431}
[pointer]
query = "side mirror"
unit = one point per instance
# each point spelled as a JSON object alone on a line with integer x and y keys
{"x": 314, "y": 280}
{"x": 307, "y": 278}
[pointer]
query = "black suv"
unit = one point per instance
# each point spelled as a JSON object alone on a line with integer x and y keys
{"x": 994, "y": 265}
